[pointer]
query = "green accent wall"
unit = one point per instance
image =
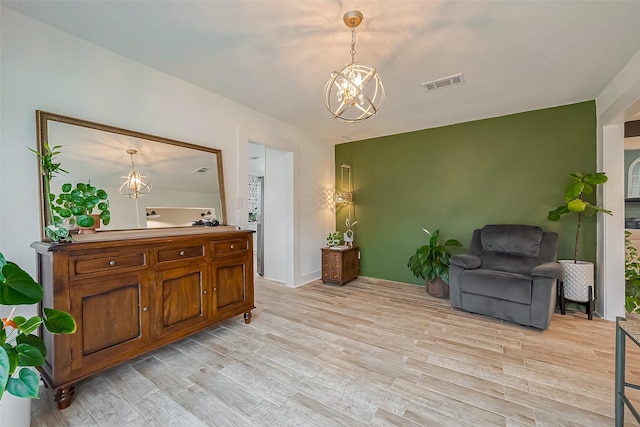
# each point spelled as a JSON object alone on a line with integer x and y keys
{"x": 510, "y": 169}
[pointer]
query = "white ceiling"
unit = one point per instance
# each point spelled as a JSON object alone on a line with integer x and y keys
{"x": 275, "y": 56}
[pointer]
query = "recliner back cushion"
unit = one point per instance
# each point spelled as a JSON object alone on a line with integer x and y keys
{"x": 511, "y": 239}
{"x": 508, "y": 262}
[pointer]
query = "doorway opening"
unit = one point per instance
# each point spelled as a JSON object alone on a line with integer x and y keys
{"x": 270, "y": 210}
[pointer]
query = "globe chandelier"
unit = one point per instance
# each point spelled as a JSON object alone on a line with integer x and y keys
{"x": 134, "y": 184}
{"x": 354, "y": 93}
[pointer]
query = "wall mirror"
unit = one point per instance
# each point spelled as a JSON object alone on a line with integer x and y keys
{"x": 187, "y": 187}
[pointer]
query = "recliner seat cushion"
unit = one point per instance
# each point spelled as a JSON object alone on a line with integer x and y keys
{"x": 512, "y": 238}
{"x": 510, "y": 263}
{"x": 497, "y": 284}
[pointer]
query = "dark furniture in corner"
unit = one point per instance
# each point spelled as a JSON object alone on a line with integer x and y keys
{"x": 339, "y": 265}
{"x": 511, "y": 273}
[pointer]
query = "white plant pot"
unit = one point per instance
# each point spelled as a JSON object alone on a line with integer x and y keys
{"x": 578, "y": 276}
{"x": 15, "y": 411}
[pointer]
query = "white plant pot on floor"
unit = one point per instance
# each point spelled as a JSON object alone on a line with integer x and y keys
{"x": 578, "y": 276}
{"x": 15, "y": 411}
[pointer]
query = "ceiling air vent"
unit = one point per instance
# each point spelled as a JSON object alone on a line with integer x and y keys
{"x": 445, "y": 82}
{"x": 201, "y": 170}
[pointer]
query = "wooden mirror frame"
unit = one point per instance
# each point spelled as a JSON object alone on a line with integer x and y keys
{"x": 42, "y": 125}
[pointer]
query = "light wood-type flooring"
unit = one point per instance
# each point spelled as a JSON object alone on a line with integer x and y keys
{"x": 369, "y": 353}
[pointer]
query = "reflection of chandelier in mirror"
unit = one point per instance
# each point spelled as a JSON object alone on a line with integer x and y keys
{"x": 354, "y": 93}
{"x": 134, "y": 184}
{"x": 344, "y": 196}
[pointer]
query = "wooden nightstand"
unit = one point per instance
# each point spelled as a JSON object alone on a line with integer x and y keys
{"x": 340, "y": 264}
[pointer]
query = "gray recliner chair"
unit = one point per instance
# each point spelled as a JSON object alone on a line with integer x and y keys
{"x": 510, "y": 273}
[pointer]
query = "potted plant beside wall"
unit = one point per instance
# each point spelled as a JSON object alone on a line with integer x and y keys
{"x": 431, "y": 262}
{"x": 78, "y": 205}
{"x": 579, "y": 275}
{"x": 49, "y": 168}
{"x": 21, "y": 351}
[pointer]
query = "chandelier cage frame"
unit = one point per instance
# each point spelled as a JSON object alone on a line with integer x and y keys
{"x": 134, "y": 184}
{"x": 354, "y": 93}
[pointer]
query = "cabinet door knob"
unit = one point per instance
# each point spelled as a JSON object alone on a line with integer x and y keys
{"x": 232, "y": 247}
{"x": 181, "y": 253}
{"x": 145, "y": 308}
{"x": 112, "y": 263}
{"x": 215, "y": 289}
{"x": 204, "y": 292}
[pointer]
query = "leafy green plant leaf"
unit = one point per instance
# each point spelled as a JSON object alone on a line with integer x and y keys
{"x": 17, "y": 286}
{"x": 58, "y": 322}
{"x": 26, "y": 385}
{"x": 5, "y": 366}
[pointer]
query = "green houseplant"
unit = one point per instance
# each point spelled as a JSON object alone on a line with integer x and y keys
{"x": 631, "y": 276}
{"x": 431, "y": 262}
{"x": 49, "y": 167}
{"x": 334, "y": 239}
{"x": 78, "y": 204}
{"x": 20, "y": 349}
{"x": 578, "y": 277}
{"x": 580, "y": 186}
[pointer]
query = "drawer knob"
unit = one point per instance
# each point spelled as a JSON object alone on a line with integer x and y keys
{"x": 145, "y": 308}
{"x": 215, "y": 289}
{"x": 112, "y": 263}
{"x": 232, "y": 247}
{"x": 181, "y": 253}
{"x": 204, "y": 292}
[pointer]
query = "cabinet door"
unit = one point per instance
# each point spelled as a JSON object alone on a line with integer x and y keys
{"x": 182, "y": 299}
{"x": 113, "y": 320}
{"x": 233, "y": 285}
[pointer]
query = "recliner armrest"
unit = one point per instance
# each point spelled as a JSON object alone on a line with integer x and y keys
{"x": 466, "y": 261}
{"x": 549, "y": 269}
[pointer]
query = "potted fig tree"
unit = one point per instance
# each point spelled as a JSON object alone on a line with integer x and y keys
{"x": 431, "y": 262}
{"x": 579, "y": 275}
{"x": 21, "y": 351}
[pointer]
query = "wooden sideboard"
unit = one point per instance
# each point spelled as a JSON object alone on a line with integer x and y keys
{"x": 134, "y": 295}
{"x": 339, "y": 265}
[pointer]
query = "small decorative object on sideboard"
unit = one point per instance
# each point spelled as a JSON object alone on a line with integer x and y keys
{"x": 577, "y": 284}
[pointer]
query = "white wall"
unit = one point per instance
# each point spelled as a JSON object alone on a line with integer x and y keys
{"x": 277, "y": 222}
{"x": 614, "y": 105}
{"x": 44, "y": 68}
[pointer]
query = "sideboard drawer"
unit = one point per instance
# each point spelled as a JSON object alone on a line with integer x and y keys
{"x": 173, "y": 254}
{"x": 230, "y": 247}
{"x": 105, "y": 263}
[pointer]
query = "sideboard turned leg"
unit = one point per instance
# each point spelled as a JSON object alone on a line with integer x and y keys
{"x": 247, "y": 317}
{"x": 64, "y": 396}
